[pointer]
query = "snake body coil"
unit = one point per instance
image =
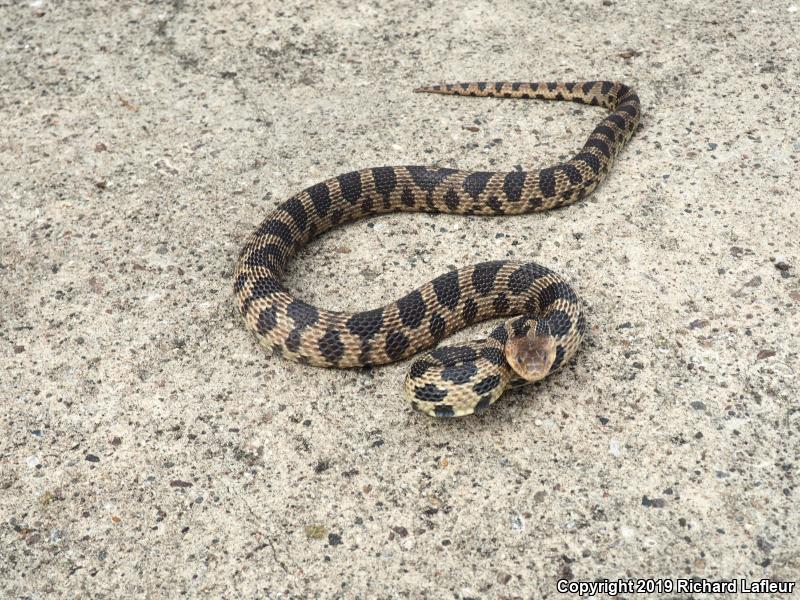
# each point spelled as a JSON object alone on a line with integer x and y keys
{"x": 456, "y": 380}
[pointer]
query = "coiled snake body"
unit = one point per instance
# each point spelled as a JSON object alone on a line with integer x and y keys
{"x": 548, "y": 321}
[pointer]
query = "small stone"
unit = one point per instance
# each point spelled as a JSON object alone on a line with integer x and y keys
{"x": 698, "y": 324}
{"x": 697, "y": 405}
{"x": 653, "y": 503}
{"x": 177, "y": 483}
{"x": 334, "y": 539}
{"x": 315, "y": 532}
{"x": 754, "y": 282}
{"x": 603, "y": 420}
{"x": 101, "y": 184}
{"x": 19, "y": 349}
{"x": 614, "y": 448}
{"x": 100, "y": 147}
{"x": 401, "y": 531}
{"x": 92, "y": 458}
{"x": 781, "y": 264}
{"x": 762, "y": 354}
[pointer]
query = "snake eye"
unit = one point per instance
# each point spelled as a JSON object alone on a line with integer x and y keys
{"x": 531, "y": 357}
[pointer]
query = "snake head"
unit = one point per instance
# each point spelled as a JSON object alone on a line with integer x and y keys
{"x": 531, "y": 356}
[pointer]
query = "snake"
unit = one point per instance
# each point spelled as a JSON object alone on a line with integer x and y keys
{"x": 545, "y": 320}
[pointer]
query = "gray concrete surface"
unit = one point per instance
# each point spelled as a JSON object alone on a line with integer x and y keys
{"x": 149, "y": 448}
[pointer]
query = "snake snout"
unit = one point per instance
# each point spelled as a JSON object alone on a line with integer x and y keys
{"x": 531, "y": 356}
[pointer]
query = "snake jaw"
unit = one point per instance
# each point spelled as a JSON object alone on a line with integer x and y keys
{"x": 531, "y": 357}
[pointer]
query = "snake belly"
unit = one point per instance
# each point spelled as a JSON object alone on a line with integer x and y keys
{"x": 548, "y": 322}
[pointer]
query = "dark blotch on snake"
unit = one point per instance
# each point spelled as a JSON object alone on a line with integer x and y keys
{"x": 486, "y": 385}
{"x": 396, "y": 344}
{"x": 268, "y": 255}
{"x": 407, "y": 197}
{"x": 444, "y": 410}
{"x": 459, "y": 374}
{"x": 493, "y": 355}
{"x": 419, "y": 368}
{"x": 600, "y": 145}
{"x": 266, "y": 286}
{"x": 320, "y": 198}
{"x": 295, "y": 209}
{"x": 331, "y": 346}
{"x": 278, "y": 229}
{"x": 590, "y": 159}
{"x": 447, "y": 290}
{"x": 547, "y": 182}
{"x": 302, "y": 314}
{"x": 513, "y": 185}
{"x": 451, "y": 199}
{"x": 500, "y": 334}
{"x": 385, "y": 180}
{"x": 267, "y": 320}
{"x": 617, "y": 120}
{"x": 484, "y": 274}
{"x": 572, "y": 173}
{"x": 412, "y": 309}
{"x": 559, "y": 358}
{"x": 483, "y": 405}
{"x": 606, "y": 131}
{"x": 453, "y": 355}
{"x": 521, "y": 280}
{"x": 560, "y": 323}
{"x": 428, "y": 179}
{"x": 350, "y": 184}
{"x": 475, "y": 183}
{"x": 366, "y": 324}
{"x": 430, "y": 393}
{"x": 557, "y": 291}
